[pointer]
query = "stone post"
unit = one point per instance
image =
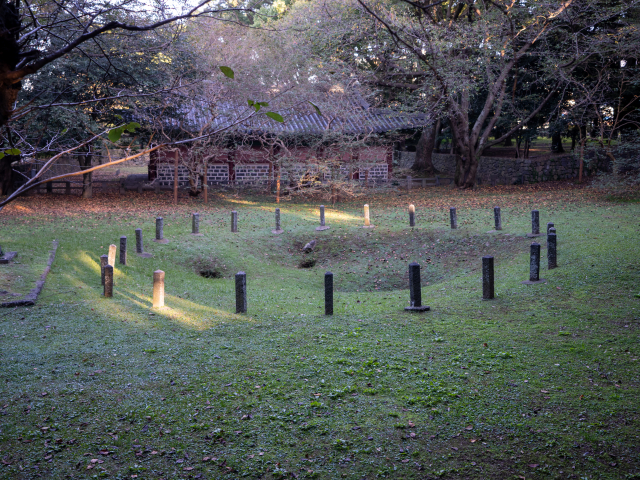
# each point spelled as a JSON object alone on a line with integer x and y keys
{"x": 497, "y": 217}
{"x": 158, "y": 289}
{"x": 409, "y": 182}
{"x": 195, "y": 224}
{"x": 104, "y": 261}
{"x": 241, "y": 292}
{"x": 328, "y": 293}
{"x": 322, "y": 226}
{"x": 278, "y": 230}
{"x": 487, "y": 278}
{"x": 123, "y": 250}
{"x": 552, "y": 252}
{"x": 549, "y": 226}
{"x": 367, "y": 218}
{"x": 412, "y": 215}
{"x": 108, "y": 281}
{"x": 139, "y": 245}
{"x": 234, "y": 221}
{"x": 112, "y": 255}
{"x": 159, "y": 229}
{"x": 535, "y": 224}
{"x": 534, "y": 266}
{"x": 415, "y": 289}
{"x": 454, "y": 217}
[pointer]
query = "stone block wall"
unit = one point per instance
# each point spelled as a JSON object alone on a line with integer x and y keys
{"x": 252, "y": 173}
{"x": 166, "y": 173}
{"x": 217, "y": 173}
{"x": 506, "y": 171}
{"x": 379, "y": 171}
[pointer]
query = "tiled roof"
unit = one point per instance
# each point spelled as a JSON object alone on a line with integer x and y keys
{"x": 356, "y": 119}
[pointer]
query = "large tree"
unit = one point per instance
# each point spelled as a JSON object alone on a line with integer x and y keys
{"x": 92, "y": 49}
{"x": 461, "y": 58}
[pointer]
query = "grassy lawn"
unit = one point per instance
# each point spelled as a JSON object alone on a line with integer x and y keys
{"x": 542, "y": 382}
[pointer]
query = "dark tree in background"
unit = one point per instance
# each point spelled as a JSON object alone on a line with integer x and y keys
{"x": 77, "y": 53}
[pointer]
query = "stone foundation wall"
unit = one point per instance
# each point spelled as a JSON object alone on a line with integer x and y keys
{"x": 217, "y": 173}
{"x": 506, "y": 171}
{"x": 252, "y": 173}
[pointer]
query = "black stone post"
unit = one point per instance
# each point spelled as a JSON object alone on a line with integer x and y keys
{"x": 415, "y": 289}
{"x": 195, "y": 223}
{"x": 139, "y": 245}
{"x": 123, "y": 250}
{"x": 241, "y": 292}
{"x": 454, "y": 217}
{"x": 412, "y": 216}
{"x": 160, "y": 231}
{"x": 104, "y": 260}
{"x": 108, "y": 281}
{"x": 535, "y": 222}
{"x": 487, "y": 278}
{"x": 497, "y": 217}
{"x": 234, "y": 221}
{"x": 534, "y": 264}
{"x": 549, "y": 226}
{"x": 278, "y": 230}
{"x": 552, "y": 252}
{"x": 328, "y": 293}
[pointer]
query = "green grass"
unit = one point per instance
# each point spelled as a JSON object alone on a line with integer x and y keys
{"x": 542, "y": 382}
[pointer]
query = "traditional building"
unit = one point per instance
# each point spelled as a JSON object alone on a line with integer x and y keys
{"x": 251, "y": 156}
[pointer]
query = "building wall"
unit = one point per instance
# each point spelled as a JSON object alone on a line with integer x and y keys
{"x": 254, "y": 165}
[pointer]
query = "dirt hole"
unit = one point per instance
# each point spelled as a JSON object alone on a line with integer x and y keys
{"x": 307, "y": 263}
{"x": 211, "y": 273}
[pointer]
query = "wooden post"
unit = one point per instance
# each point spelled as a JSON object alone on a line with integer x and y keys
{"x": 175, "y": 180}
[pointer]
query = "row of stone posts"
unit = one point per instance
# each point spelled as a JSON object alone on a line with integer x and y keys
{"x": 453, "y": 217}
{"x": 415, "y": 287}
{"x": 534, "y": 264}
{"x": 107, "y": 261}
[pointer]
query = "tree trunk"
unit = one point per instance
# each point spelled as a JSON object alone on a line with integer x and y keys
{"x": 438, "y": 137}
{"x": 452, "y": 150}
{"x": 6, "y": 174}
{"x": 87, "y": 178}
{"x": 424, "y": 150}
{"x": 582, "y": 141}
{"x": 10, "y": 28}
{"x": 556, "y": 143}
{"x": 466, "y": 170}
{"x": 507, "y": 141}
